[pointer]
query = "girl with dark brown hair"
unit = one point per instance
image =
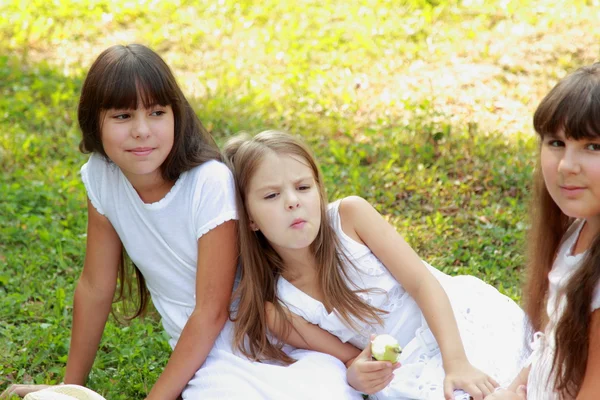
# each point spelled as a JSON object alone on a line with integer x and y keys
{"x": 562, "y": 293}
{"x": 158, "y": 191}
{"x": 327, "y": 276}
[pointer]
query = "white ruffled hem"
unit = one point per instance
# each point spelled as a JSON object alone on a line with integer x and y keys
{"x": 220, "y": 219}
{"x": 86, "y": 182}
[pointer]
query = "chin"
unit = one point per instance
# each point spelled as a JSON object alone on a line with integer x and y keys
{"x": 576, "y": 214}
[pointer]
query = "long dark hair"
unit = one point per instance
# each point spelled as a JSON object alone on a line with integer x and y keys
{"x": 119, "y": 78}
{"x": 573, "y": 108}
{"x": 261, "y": 265}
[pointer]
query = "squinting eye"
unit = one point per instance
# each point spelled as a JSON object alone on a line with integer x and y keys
{"x": 270, "y": 196}
{"x": 158, "y": 113}
{"x": 305, "y": 187}
{"x": 121, "y": 116}
{"x": 593, "y": 146}
{"x": 556, "y": 143}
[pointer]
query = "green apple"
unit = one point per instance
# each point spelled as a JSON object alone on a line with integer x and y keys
{"x": 385, "y": 348}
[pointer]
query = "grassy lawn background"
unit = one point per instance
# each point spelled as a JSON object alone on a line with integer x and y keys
{"x": 422, "y": 107}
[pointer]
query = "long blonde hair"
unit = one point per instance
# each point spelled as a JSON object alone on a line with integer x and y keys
{"x": 573, "y": 107}
{"x": 261, "y": 265}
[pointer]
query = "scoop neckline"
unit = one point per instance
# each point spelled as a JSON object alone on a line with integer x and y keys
{"x": 309, "y": 297}
{"x": 157, "y": 204}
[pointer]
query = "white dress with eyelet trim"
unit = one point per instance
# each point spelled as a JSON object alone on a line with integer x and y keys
{"x": 491, "y": 324}
{"x": 162, "y": 239}
{"x": 540, "y": 384}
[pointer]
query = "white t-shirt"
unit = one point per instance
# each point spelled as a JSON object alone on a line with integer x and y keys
{"x": 161, "y": 238}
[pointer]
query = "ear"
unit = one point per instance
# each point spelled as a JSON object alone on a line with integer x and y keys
{"x": 253, "y": 226}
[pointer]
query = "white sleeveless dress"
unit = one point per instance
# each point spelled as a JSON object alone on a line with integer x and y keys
{"x": 540, "y": 384}
{"x": 491, "y": 325}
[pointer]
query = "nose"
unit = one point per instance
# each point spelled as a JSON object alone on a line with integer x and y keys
{"x": 569, "y": 163}
{"x": 291, "y": 201}
{"x": 140, "y": 128}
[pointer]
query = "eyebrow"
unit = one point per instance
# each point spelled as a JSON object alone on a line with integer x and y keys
{"x": 273, "y": 187}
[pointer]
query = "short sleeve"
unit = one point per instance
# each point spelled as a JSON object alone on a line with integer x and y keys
{"x": 214, "y": 197}
{"x": 92, "y": 175}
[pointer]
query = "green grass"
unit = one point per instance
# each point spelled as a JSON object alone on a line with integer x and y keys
{"x": 422, "y": 107}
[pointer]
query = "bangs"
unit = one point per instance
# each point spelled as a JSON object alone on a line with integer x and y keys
{"x": 134, "y": 79}
{"x": 572, "y": 107}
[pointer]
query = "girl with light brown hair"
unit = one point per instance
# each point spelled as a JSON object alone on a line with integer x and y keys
{"x": 326, "y": 277}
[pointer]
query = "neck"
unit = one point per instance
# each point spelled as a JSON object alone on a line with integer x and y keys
{"x": 587, "y": 235}
{"x": 299, "y": 263}
{"x": 593, "y": 226}
{"x": 150, "y": 188}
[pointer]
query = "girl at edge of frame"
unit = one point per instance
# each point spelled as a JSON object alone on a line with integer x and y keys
{"x": 327, "y": 277}
{"x": 562, "y": 295}
{"x": 157, "y": 190}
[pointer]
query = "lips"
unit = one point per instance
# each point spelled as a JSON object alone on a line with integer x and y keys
{"x": 572, "y": 191}
{"x": 568, "y": 187}
{"x": 141, "y": 151}
{"x": 298, "y": 223}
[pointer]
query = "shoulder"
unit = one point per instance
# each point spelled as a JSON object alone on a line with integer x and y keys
{"x": 212, "y": 168}
{"x": 99, "y": 176}
{"x": 96, "y": 163}
{"x": 353, "y": 208}
{"x": 211, "y": 172}
{"x": 353, "y": 212}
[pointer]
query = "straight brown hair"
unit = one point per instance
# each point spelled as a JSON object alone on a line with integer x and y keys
{"x": 261, "y": 265}
{"x": 573, "y": 108}
{"x": 120, "y": 78}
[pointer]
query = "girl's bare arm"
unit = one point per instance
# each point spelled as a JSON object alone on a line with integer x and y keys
{"x": 304, "y": 335}
{"x": 364, "y": 224}
{"x": 93, "y": 295}
{"x": 217, "y": 261}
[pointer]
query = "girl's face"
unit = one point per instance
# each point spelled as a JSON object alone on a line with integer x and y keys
{"x": 138, "y": 141}
{"x": 571, "y": 170}
{"x": 283, "y": 201}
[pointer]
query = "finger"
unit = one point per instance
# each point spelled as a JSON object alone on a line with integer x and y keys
{"x": 474, "y": 391}
{"x": 375, "y": 378}
{"x": 366, "y": 353}
{"x": 396, "y": 365}
{"x": 522, "y": 392}
{"x": 448, "y": 389}
{"x": 490, "y": 386}
{"x": 6, "y": 393}
{"x": 485, "y": 391}
{"x": 376, "y": 387}
{"x": 374, "y": 366}
{"x": 494, "y": 382}
{"x": 22, "y": 390}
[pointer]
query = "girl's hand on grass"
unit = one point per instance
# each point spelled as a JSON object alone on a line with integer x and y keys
{"x": 462, "y": 375}
{"x": 21, "y": 390}
{"x": 367, "y": 375}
